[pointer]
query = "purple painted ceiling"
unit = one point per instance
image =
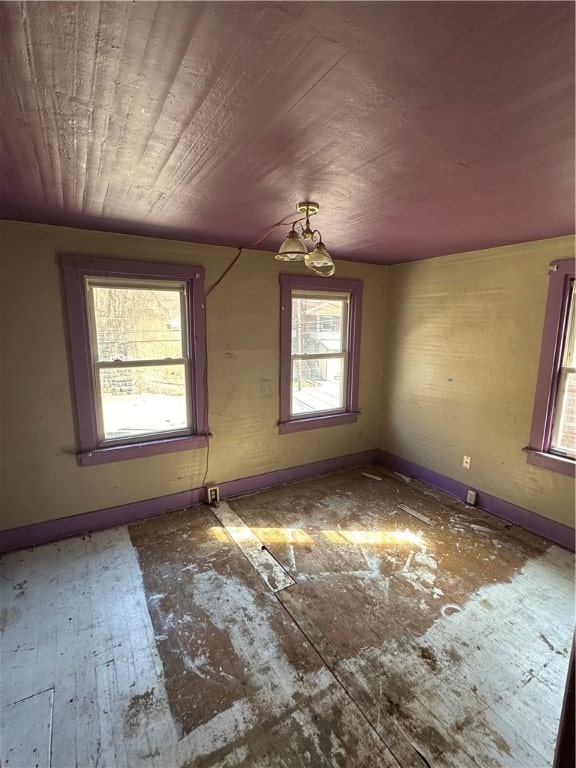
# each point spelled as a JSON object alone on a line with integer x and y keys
{"x": 421, "y": 128}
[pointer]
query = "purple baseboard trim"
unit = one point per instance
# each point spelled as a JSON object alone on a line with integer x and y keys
{"x": 291, "y": 474}
{"x": 52, "y": 530}
{"x": 558, "y": 533}
{"x": 63, "y": 527}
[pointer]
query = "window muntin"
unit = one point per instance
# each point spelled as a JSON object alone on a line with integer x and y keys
{"x": 319, "y": 360}
{"x": 169, "y": 360}
{"x": 319, "y": 353}
{"x": 563, "y": 440}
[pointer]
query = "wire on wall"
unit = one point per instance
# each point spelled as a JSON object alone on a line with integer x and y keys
{"x": 241, "y": 248}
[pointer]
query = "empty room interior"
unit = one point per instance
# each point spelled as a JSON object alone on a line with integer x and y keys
{"x": 288, "y": 391}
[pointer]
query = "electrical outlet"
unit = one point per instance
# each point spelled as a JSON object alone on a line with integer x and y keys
{"x": 212, "y": 495}
{"x": 471, "y": 498}
{"x": 466, "y": 462}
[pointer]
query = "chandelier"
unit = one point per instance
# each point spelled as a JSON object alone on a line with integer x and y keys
{"x": 294, "y": 247}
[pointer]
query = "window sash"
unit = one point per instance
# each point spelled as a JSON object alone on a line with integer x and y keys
{"x": 560, "y": 415}
{"x": 139, "y": 363}
{"x": 570, "y": 335}
{"x": 342, "y": 388}
{"x": 341, "y": 354}
{"x": 567, "y": 368}
{"x": 343, "y": 298}
{"x": 134, "y": 362}
{"x": 317, "y": 355}
{"x": 135, "y": 285}
{"x": 139, "y": 436}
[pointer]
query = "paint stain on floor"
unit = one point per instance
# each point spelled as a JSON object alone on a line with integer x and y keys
{"x": 402, "y": 598}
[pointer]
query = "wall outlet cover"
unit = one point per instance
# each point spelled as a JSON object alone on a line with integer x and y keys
{"x": 212, "y": 495}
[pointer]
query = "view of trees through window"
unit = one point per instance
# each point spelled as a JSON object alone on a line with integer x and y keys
{"x": 140, "y": 359}
{"x": 318, "y": 353}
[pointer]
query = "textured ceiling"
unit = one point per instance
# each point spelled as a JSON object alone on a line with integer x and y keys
{"x": 420, "y": 128}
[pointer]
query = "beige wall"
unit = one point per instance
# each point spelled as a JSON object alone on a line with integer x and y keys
{"x": 40, "y": 477}
{"x": 461, "y": 359}
{"x": 457, "y": 339}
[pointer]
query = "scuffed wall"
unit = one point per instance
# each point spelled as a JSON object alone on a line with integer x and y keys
{"x": 40, "y": 477}
{"x": 460, "y": 365}
{"x": 455, "y": 342}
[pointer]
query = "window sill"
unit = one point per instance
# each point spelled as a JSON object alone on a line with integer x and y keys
{"x": 317, "y": 422}
{"x": 139, "y": 450}
{"x": 550, "y": 461}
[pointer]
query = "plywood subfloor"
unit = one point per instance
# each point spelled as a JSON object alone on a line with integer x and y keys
{"x": 417, "y": 632}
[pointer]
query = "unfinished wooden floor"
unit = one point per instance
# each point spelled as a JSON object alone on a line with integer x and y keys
{"x": 357, "y": 619}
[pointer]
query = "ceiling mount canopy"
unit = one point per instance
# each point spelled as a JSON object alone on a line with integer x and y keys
{"x": 294, "y": 247}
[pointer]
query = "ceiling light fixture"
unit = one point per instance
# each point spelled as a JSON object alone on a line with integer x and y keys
{"x": 294, "y": 247}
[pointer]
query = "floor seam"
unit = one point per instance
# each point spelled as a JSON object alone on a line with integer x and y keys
{"x": 425, "y": 763}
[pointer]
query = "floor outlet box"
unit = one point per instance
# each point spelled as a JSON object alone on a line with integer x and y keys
{"x": 471, "y": 498}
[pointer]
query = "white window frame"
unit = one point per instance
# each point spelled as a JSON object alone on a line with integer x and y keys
{"x": 567, "y": 367}
{"x": 98, "y": 365}
{"x": 310, "y": 356}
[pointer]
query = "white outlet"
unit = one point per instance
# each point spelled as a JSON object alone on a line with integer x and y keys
{"x": 213, "y": 495}
{"x": 466, "y": 462}
{"x": 471, "y": 497}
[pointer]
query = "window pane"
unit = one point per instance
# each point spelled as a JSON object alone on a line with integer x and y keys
{"x": 318, "y": 325}
{"x": 564, "y": 424}
{"x": 137, "y": 323}
{"x": 570, "y": 346}
{"x": 564, "y": 439}
{"x": 317, "y": 385}
{"x": 143, "y": 400}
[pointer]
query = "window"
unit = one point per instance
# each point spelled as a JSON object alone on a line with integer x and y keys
{"x": 319, "y": 352}
{"x": 137, "y": 340}
{"x": 564, "y": 419}
{"x": 553, "y": 435}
